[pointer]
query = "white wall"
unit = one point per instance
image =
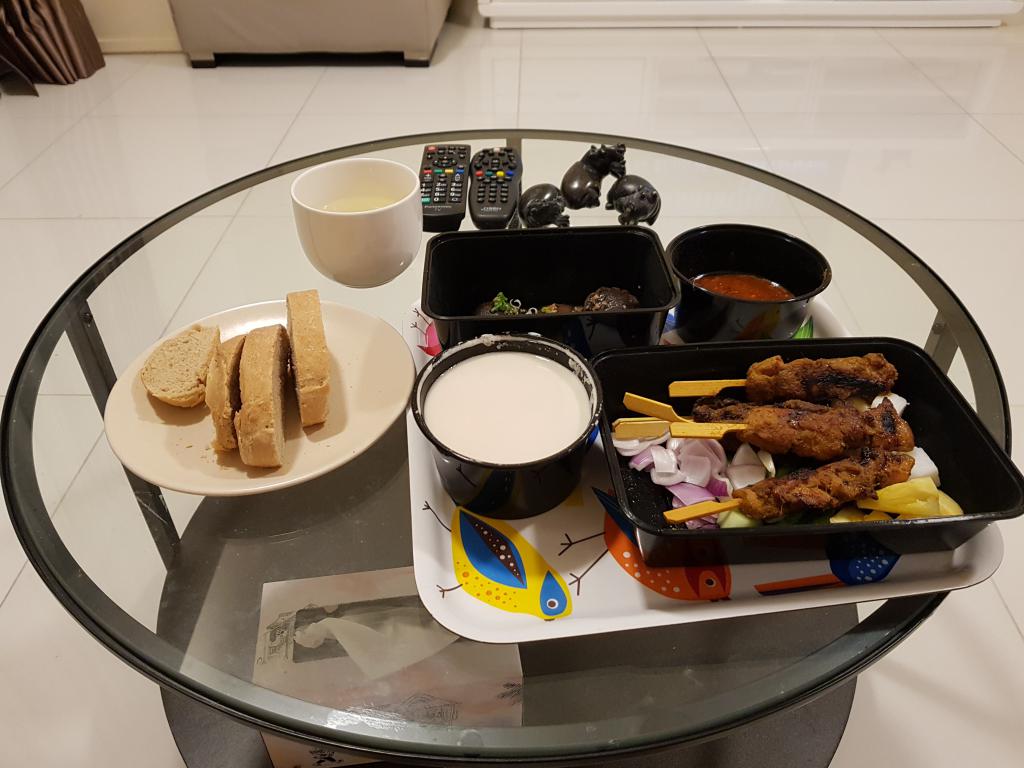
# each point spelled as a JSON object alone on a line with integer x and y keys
{"x": 131, "y": 26}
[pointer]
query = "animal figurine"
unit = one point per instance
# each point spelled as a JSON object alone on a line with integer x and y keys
{"x": 581, "y": 184}
{"x": 497, "y": 566}
{"x": 635, "y": 198}
{"x": 541, "y": 205}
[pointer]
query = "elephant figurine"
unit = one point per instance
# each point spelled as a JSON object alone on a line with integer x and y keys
{"x": 636, "y": 200}
{"x": 581, "y": 184}
{"x": 541, "y": 205}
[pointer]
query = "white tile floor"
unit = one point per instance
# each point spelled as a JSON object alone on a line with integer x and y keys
{"x": 921, "y": 129}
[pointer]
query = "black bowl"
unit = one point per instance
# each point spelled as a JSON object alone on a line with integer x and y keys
{"x": 702, "y": 315}
{"x": 974, "y": 469}
{"x": 538, "y": 266}
{"x": 509, "y": 491}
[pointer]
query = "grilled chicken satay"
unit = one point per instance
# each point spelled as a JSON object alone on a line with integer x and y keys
{"x": 813, "y": 431}
{"x": 826, "y": 487}
{"x": 826, "y": 380}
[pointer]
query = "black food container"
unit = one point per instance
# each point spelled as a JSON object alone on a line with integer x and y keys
{"x": 542, "y": 266}
{"x": 973, "y": 469}
{"x": 509, "y": 491}
{"x": 703, "y": 315}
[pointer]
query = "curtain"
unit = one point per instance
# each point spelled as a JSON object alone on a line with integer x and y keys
{"x": 48, "y": 41}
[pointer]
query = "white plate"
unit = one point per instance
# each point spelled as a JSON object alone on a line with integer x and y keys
{"x": 371, "y": 378}
{"x": 595, "y": 561}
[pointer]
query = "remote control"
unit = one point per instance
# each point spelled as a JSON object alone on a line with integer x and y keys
{"x": 494, "y": 196}
{"x": 443, "y": 186}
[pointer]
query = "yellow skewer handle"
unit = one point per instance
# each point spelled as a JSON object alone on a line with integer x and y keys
{"x": 643, "y": 428}
{"x": 692, "y": 512}
{"x": 703, "y": 388}
{"x": 649, "y": 407}
{"x": 711, "y": 430}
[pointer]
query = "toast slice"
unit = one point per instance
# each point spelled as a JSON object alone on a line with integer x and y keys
{"x": 262, "y": 370}
{"x": 176, "y": 371}
{"x": 223, "y": 395}
{"x": 310, "y": 359}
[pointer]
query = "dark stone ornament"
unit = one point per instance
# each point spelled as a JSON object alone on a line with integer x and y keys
{"x": 541, "y": 205}
{"x": 581, "y": 184}
{"x": 636, "y": 200}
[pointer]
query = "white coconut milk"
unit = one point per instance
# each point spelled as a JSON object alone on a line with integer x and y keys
{"x": 507, "y": 407}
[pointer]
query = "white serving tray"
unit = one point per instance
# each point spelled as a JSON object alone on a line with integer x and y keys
{"x": 600, "y": 584}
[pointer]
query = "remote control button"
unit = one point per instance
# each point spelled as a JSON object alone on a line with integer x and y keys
{"x": 449, "y": 170}
{"x": 478, "y": 174}
{"x": 431, "y": 149}
{"x": 500, "y": 174}
{"x": 510, "y": 174}
{"x": 425, "y": 199}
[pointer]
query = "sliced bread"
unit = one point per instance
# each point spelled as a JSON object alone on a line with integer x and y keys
{"x": 310, "y": 359}
{"x": 176, "y": 371}
{"x": 259, "y": 423}
{"x": 223, "y": 395}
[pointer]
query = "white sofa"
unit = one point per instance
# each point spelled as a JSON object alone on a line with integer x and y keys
{"x": 209, "y": 27}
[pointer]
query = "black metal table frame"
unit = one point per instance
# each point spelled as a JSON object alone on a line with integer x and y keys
{"x": 952, "y": 329}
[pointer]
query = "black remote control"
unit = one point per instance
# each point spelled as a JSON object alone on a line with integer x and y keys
{"x": 443, "y": 186}
{"x": 494, "y": 196}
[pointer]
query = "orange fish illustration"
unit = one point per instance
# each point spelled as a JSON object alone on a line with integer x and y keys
{"x": 705, "y": 582}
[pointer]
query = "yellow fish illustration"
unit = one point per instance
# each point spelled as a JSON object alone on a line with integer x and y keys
{"x": 495, "y": 564}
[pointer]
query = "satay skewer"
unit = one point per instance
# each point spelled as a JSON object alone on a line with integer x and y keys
{"x": 824, "y": 380}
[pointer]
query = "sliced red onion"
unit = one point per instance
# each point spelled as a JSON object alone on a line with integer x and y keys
{"x": 633, "y": 447}
{"x": 745, "y": 456}
{"x": 746, "y": 474}
{"x": 642, "y": 460}
{"x": 923, "y": 465}
{"x": 667, "y": 478}
{"x": 663, "y": 460}
{"x": 696, "y": 470}
{"x": 709, "y": 521}
{"x": 768, "y": 462}
{"x": 718, "y": 487}
{"x": 688, "y": 493}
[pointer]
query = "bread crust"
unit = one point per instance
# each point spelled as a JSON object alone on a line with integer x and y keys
{"x": 259, "y": 424}
{"x": 310, "y": 358}
{"x": 223, "y": 396}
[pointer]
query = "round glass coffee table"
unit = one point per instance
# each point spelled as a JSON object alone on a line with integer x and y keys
{"x": 172, "y": 583}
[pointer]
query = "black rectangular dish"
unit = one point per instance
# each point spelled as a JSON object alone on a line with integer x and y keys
{"x": 974, "y": 470}
{"x": 542, "y": 266}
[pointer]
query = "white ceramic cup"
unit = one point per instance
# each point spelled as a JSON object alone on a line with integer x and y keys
{"x": 366, "y": 248}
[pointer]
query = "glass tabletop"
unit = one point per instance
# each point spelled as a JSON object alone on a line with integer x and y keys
{"x": 174, "y": 584}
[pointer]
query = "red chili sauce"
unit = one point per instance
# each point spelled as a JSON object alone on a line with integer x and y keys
{"x": 741, "y": 286}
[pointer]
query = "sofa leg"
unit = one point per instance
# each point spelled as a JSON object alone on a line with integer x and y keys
{"x": 201, "y": 59}
{"x": 420, "y": 58}
{"x": 417, "y": 58}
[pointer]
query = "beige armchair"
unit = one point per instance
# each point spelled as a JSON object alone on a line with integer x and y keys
{"x": 209, "y": 27}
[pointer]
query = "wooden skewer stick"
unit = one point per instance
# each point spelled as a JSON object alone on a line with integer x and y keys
{"x": 648, "y": 429}
{"x": 642, "y": 428}
{"x": 707, "y": 430}
{"x": 703, "y": 388}
{"x": 649, "y": 407}
{"x": 701, "y": 509}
